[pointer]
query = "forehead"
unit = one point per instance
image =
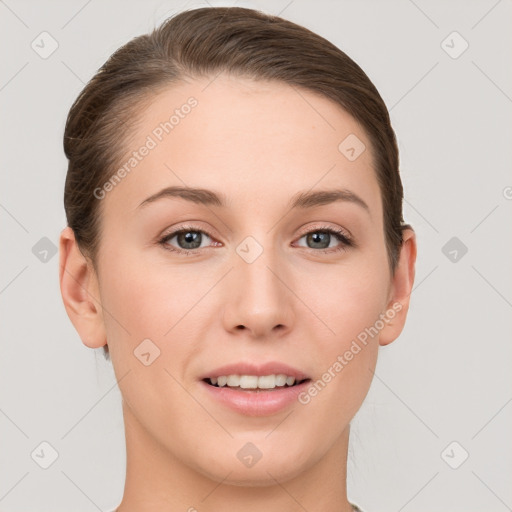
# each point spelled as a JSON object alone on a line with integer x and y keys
{"x": 255, "y": 141}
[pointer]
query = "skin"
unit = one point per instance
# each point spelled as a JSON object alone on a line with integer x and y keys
{"x": 259, "y": 144}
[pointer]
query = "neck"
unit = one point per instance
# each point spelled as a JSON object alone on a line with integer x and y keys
{"x": 157, "y": 481}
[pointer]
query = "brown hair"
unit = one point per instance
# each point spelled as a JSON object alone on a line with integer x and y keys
{"x": 202, "y": 43}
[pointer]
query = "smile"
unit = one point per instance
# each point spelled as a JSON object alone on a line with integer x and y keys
{"x": 254, "y": 381}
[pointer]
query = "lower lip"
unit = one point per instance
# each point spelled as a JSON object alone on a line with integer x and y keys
{"x": 256, "y": 402}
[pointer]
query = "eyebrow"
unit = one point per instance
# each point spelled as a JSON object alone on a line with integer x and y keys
{"x": 301, "y": 200}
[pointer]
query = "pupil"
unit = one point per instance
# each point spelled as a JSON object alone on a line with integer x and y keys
{"x": 318, "y": 237}
{"x": 190, "y": 237}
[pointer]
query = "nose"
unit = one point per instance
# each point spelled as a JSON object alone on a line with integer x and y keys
{"x": 260, "y": 301}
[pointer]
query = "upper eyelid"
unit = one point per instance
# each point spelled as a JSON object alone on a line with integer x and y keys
{"x": 173, "y": 232}
{"x": 206, "y": 231}
{"x": 326, "y": 228}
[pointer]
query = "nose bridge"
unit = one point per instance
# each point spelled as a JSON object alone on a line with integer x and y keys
{"x": 260, "y": 300}
{"x": 257, "y": 260}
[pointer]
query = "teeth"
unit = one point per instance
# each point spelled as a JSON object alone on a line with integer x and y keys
{"x": 267, "y": 381}
{"x": 233, "y": 381}
{"x": 253, "y": 381}
{"x": 280, "y": 380}
{"x": 290, "y": 381}
{"x": 247, "y": 381}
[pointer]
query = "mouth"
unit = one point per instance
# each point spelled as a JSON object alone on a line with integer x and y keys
{"x": 255, "y": 390}
{"x": 255, "y": 383}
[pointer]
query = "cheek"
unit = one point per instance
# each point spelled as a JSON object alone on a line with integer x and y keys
{"x": 345, "y": 300}
{"x": 349, "y": 307}
{"x": 147, "y": 299}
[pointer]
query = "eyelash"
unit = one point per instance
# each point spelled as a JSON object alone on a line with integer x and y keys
{"x": 339, "y": 234}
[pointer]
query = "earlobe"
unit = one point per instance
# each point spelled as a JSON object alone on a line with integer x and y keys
{"x": 401, "y": 288}
{"x": 80, "y": 291}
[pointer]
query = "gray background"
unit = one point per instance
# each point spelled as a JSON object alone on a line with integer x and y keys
{"x": 447, "y": 378}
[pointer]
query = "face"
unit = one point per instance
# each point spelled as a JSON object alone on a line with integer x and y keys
{"x": 261, "y": 277}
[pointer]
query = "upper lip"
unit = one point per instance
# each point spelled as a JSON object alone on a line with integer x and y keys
{"x": 246, "y": 368}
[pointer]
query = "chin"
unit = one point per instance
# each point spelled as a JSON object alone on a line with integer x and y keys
{"x": 279, "y": 466}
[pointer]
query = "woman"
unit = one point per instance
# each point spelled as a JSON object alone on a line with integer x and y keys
{"x": 236, "y": 243}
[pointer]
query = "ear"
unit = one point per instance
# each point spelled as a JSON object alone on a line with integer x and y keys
{"x": 80, "y": 291}
{"x": 400, "y": 290}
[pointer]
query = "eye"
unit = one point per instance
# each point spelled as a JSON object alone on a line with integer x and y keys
{"x": 321, "y": 238}
{"x": 188, "y": 239}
